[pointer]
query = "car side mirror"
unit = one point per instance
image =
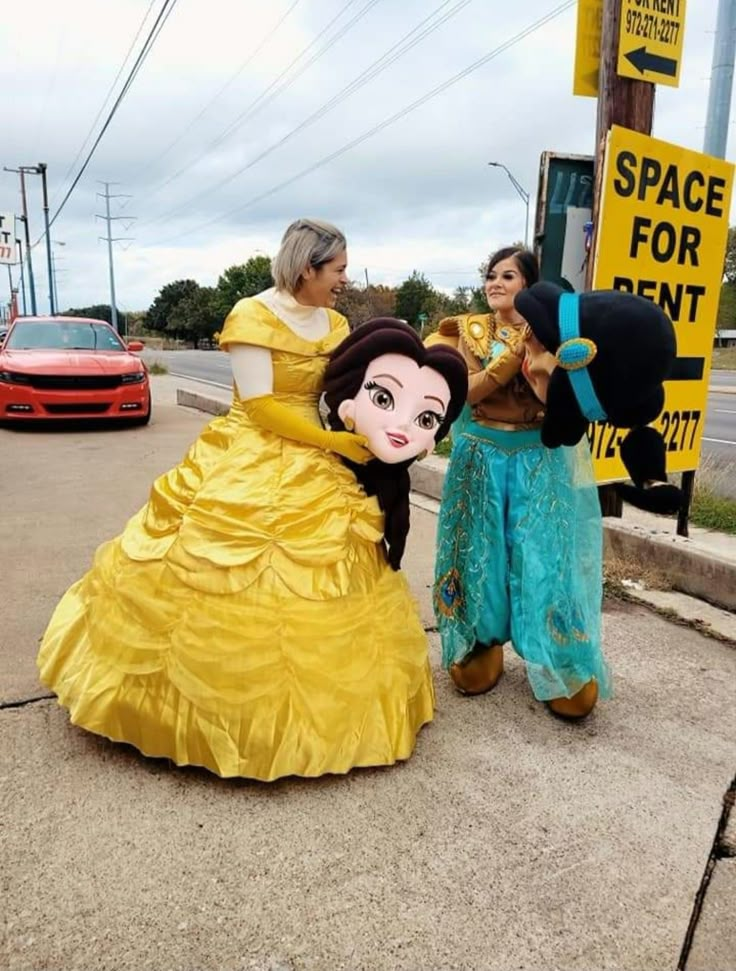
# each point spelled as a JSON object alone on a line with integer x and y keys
{"x": 136, "y": 345}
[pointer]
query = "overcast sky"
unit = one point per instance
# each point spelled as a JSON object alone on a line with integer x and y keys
{"x": 212, "y": 97}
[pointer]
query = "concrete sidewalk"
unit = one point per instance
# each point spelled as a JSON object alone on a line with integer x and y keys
{"x": 508, "y": 840}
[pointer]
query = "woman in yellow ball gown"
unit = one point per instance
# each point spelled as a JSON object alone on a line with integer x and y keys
{"x": 247, "y": 619}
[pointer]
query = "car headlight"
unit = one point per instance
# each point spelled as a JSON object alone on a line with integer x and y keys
{"x": 13, "y": 377}
{"x": 134, "y": 377}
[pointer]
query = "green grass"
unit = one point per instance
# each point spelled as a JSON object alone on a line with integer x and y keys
{"x": 158, "y": 368}
{"x": 714, "y": 512}
{"x": 724, "y": 358}
{"x": 444, "y": 448}
{"x": 711, "y": 507}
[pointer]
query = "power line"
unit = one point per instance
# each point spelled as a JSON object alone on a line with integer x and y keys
{"x": 245, "y": 116}
{"x": 109, "y": 93}
{"x": 251, "y": 57}
{"x": 264, "y": 98}
{"x": 511, "y": 42}
{"x": 51, "y": 83}
{"x": 396, "y": 51}
{"x": 166, "y": 8}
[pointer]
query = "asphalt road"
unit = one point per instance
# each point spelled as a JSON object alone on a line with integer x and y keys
{"x": 720, "y": 426}
{"x": 208, "y": 366}
{"x": 723, "y": 379}
{"x": 719, "y": 440}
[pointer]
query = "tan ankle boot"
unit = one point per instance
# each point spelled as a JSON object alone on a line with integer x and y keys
{"x": 478, "y": 671}
{"x": 580, "y": 705}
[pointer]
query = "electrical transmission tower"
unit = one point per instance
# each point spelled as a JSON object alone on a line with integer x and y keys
{"x": 110, "y": 239}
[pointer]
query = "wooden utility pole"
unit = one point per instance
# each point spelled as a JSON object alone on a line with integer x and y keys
{"x": 629, "y": 103}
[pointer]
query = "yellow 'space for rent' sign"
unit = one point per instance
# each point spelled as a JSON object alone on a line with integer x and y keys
{"x": 662, "y": 231}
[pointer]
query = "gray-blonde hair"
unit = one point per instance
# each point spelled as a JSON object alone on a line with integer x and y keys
{"x": 307, "y": 242}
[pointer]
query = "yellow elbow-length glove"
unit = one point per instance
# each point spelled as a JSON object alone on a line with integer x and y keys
{"x": 270, "y": 414}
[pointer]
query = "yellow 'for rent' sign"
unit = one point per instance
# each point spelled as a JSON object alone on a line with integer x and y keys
{"x": 588, "y": 48}
{"x": 650, "y": 40}
{"x": 662, "y": 231}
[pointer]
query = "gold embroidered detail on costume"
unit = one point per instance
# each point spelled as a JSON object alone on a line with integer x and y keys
{"x": 476, "y": 330}
{"x": 564, "y": 631}
{"x": 448, "y": 597}
{"x": 506, "y": 449}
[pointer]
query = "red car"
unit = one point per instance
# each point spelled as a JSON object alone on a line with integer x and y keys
{"x": 71, "y": 367}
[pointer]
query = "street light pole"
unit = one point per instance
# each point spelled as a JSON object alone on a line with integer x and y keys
{"x": 721, "y": 82}
{"x": 54, "y": 286}
{"x": 19, "y": 250}
{"x": 40, "y": 169}
{"x": 524, "y": 196}
{"x": 29, "y": 259}
{"x": 54, "y": 271}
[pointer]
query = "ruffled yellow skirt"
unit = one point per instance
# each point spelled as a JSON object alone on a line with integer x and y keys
{"x": 246, "y": 620}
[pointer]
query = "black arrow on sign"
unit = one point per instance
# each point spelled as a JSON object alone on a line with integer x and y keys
{"x": 643, "y": 61}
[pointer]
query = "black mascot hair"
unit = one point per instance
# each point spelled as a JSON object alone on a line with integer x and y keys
{"x": 614, "y": 350}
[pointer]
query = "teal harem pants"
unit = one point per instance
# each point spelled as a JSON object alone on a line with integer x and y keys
{"x": 520, "y": 557}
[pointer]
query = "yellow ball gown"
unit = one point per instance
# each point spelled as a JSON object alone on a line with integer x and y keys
{"x": 246, "y": 620}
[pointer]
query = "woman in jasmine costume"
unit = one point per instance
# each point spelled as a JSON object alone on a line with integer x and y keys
{"x": 520, "y": 538}
{"x": 247, "y": 619}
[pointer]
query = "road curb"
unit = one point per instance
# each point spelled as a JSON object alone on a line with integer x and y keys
{"x": 691, "y": 570}
{"x": 202, "y": 402}
{"x": 706, "y": 576}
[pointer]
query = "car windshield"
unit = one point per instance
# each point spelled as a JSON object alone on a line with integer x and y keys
{"x": 61, "y": 335}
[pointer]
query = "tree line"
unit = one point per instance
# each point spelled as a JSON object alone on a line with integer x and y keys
{"x": 186, "y": 311}
{"x": 727, "y": 306}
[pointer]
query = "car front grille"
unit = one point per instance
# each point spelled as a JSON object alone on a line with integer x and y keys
{"x": 78, "y": 408}
{"x": 71, "y": 382}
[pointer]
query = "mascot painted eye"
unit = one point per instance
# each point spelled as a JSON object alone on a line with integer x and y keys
{"x": 383, "y": 383}
{"x": 603, "y": 355}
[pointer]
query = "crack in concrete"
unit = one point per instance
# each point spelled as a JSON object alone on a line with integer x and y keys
{"x": 717, "y": 853}
{"x": 22, "y": 702}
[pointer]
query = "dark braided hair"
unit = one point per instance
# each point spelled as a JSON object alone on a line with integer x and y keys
{"x": 390, "y": 483}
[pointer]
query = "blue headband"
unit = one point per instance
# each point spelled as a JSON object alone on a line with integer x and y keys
{"x": 575, "y": 354}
